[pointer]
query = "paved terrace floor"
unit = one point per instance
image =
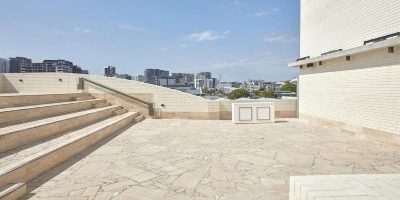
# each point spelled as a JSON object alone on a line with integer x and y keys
{"x": 189, "y": 159}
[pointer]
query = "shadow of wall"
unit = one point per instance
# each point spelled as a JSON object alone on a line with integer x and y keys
{"x": 6, "y": 86}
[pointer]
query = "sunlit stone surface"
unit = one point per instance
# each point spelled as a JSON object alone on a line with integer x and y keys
{"x": 195, "y": 159}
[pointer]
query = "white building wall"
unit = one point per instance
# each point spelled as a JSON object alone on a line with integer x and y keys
{"x": 363, "y": 92}
{"x": 342, "y": 24}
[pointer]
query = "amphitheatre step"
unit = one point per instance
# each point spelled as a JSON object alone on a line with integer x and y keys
{"x": 120, "y": 111}
{"x": 101, "y": 105}
{"x": 17, "y": 99}
{"x": 21, "y": 114}
{"x": 139, "y": 118}
{"x": 21, "y": 134}
{"x": 24, "y": 166}
{"x": 12, "y": 191}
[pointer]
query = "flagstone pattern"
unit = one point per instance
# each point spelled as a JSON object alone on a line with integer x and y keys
{"x": 206, "y": 159}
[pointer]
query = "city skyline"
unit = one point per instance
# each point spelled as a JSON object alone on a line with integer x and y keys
{"x": 204, "y": 36}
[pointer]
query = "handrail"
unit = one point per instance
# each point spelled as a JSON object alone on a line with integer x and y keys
{"x": 149, "y": 105}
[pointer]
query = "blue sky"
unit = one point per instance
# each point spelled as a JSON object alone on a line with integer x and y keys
{"x": 236, "y": 38}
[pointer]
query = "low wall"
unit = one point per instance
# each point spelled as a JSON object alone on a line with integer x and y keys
{"x": 168, "y": 103}
{"x": 284, "y": 108}
{"x": 359, "y": 131}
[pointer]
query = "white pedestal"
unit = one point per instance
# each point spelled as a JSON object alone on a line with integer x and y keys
{"x": 253, "y": 113}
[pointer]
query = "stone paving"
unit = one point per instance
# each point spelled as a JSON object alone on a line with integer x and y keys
{"x": 196, "y": 159}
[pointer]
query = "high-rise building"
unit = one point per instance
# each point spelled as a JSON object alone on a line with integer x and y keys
{"x": 153, "y": 76}
{"x": 4, "y": 65}
{"x": 204, "y": 80}
{"x": 124, "y": 76}
{"x": 168, "y": 81}
{"x": 203, "y": 75}
{"x": 20, "y": 64}
{"x": 25, "y": 65}
{"x": 183, "y": 79}
{"x": 60, "y": 66}
{"x": 139, "y": 78}
{"x": 110, "y": 71}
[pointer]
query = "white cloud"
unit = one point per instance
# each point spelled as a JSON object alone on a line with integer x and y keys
{"x": 183, "y": 45}
{"x": 270, "y": 11}
{"x": 203, "y": 36}
{"x": 130, "y": 27}
{"x": 227, "y": 32}
{"x": 82, "y": 30}
{"x": 285, "y": 38}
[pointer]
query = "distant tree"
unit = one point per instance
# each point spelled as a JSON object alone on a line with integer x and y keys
{"x": 238, "y": 93}
{"x": 289, "y": 87}
{"x": 221, "y": 91}
{"x": 211, "y": 91}
{"x": 266, "y": 93}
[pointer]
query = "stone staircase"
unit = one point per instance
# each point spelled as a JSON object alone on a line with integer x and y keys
{"x": 38, "y": 132}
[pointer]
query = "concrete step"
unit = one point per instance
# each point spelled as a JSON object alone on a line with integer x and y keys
{"x": 35, "y": 160}
{"x": 12, "y": 191}
{"x": 81, "y": 98}
{"x": 17, "y": 99}
{"x": 101, "y": 105}
{"x": 21, "y": 134}
{"x": 139, "y": 118}
{"x": 16, "y": 115}
{"x": 120, "y": 111}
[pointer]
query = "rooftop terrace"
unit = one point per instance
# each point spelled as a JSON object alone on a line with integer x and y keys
{"x": 210, "y": 159}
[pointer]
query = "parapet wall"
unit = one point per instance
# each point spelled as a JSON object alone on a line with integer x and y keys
{"x": 361, "y": 95}
{"x": 168, "y": 103}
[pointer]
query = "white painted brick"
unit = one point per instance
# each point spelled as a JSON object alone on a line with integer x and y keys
{"x": 342, "y": 24}
{"x": 363, "y": 92}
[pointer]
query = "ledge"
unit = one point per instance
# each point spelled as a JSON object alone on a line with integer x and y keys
{"x": 357, "y": 50}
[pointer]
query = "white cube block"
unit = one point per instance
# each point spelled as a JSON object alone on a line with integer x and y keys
{"x": 253, "y": 112}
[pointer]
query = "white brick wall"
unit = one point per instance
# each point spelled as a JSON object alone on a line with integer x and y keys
{"x": 175, "y": 101}
{"x": 342, "y": 24}
{"x": 364, "y": 92}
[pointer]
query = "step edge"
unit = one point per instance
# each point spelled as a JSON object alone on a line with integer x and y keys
{"x": 85, "y": 112}
{"x": 11, "y": 189}
{"x": 27, "y": 160}
{"x": 11, "y": 109}
{"x": 41, "y": 94}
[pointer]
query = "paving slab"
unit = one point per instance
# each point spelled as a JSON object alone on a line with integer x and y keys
{"x": 206, "y": 159}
